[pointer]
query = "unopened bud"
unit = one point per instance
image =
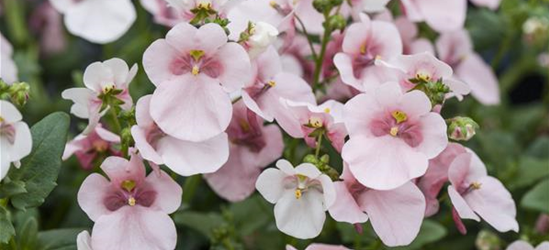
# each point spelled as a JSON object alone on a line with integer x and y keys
{"x": 19, "y": 93}
{"x": 487, "y": 240}
{"x": 462, "y": 128}
{"x": 322, "y": 5}
{"x": 336, "y": 22}
{"x": 261, "y": 37}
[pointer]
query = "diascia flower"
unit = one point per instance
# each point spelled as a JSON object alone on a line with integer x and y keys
{"x": 365, "y": 42}
{"x": 456, "y": 49}
{"x": 301, "y": 197}
{"x": 473, "y": 193}
{"x": 392, "y": 136}
{"x": 15, "y": 137}
{"x": 396, "y": 215}
{"x": 523, "y": 245}
{"x": 187, "y": 68}
{"x": 9, "y": 69}
{"x": 268, "y": 89}
{"x": 252, "y": 147}
{"x": 98, "y": 21}
{"x": 183, "y": 157}
{"x": 130, "y": 210}
{"x": 106, "y": 84}
{"x": 440, "y": 15}
{"x": 88, "y": 148}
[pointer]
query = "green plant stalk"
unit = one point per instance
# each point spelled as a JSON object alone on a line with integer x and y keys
{"x": 318, "y": 145}
{"x": 308, "y": 37}
{"x": 320, "y": 59}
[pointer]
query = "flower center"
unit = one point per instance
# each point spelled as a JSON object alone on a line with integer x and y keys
{"x": 1, "y": 119}
{"x": 423, "y": 76}
{"x": 131, "y": 201}
{"x": 298, "y": 193}
{"x": 108, "y": 88}
{"x": 128, "y": 185}
{"x": 271, "y": 83}
{"x": 315, "y": 122}
{"x": 393, "y": 131}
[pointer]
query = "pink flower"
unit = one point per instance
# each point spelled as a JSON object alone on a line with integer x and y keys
{"x": 184, "y": 8}
{"x": 316, "y": 246}
{"x": 130, "y": 210}
{"x": 412, "y": 42}
{"x": 301, "y": 197}
{"x": 396, "y": 215}
{"x": 183, "y": 157}
{"x": 98, "y": 21}
{"x": 48, "y": 24}
{"x": 252, "y": 147}
{"x": 9, "y": 69}
{"x": 437, "y": 175}
{"x": 266, "y": 93}
{"x": 187, "y": 68}
{"x": 425, "y": 67}
{"x": 92, "y": 146}
{"x": 111, "y": 77}
{"x": 392, "y": 136}
{"x": 162, "y": 12}
{"x": 440, "y": 15}
{"x": 83, "y": 241}
{"x": 455, "y": 48}
{"x": 364, "y": 42}
{"x": 15, "y": 138}
{"x": 326, "y": 117}
{"x": 523, "y": 245}
{"x": 473, "y": 193}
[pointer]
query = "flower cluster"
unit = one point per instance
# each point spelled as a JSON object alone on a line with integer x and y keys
{"x": 241, "y": 84}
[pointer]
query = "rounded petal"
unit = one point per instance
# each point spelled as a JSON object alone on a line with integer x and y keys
{"x": 83, "y": 241}
{"x": 383, "y": 163}
{"x": 346, "y": 208}
{"x": 286, "y": 167}
{"x": 91, "y": 195}
{"x": 308, "y": 169}
{"x": 435, "y": 138}
{"x": 100, "y": 21}
{"x": 211, "y": 37}
{"x": 168, "y": 192}
{"x": 120, "y": 71}
{"x": 107, "y": 135}
{"x": 302, "y": 218}
{"x": 328, "y": 190}
{"x": 520, "y": 245}
{"x": 145, "y": 148}
{"x": 415, "y": 104}
{"x": 274, "y": 146}
{"x": 460, "y": 205}
{"x": 191, "y": 108}
{"x": 356, "y": 36}
{"x": 344, "y": 64}
{"x": 81, "y": 98}
{"x": 359, "y": 112}
{"x": 119, "y": 169}
{"x": 22, "y": 144}
{"x": 443, "y": 15}
{"x": 9, "y": 112}
{"x": 480, "y": 78}
{"x": 396, "y": 215}
{"x": 137, "y": 227}
{"x": 235, "y": 63}
{"x": 270, "y": 184}
{"x": 157, "y": 61}
{"x": 494, "y": 204}
{"x": 188, "y": 158}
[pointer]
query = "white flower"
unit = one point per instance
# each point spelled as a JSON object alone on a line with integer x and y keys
{"x": 15, "y": 137}
{"x": 101, "y": 78}
{"x": 372, "y": 6}
{"x": 98, "y": 21}
{"x": 8, "y": 70}
{"x": 83, "y": 241}
{"x": 302, "y": 195}
{"x": 263, "y": 35}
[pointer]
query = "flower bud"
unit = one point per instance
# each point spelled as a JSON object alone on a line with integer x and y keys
{"x": 19, "y": 93}
{"x": 336, "y": 22}
{"x": 462, "y": 128}
{"x": 487, "y": 240}
{"x": 322, "y": 5}
{"x": 262, "y": 36}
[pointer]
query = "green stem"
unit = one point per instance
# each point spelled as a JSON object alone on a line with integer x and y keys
{"x": 320, "y": 59}
{"x": 189, "y": 189}
{"x": 114, "y": 116}
{"x": 318, "y": 145}
{"x": 307, "y": 35}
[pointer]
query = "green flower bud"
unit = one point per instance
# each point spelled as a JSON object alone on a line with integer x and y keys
{"x": 462, "y": 128}
{"x": 487, "y": 240}
{"x": 336, "y": 22}
{"x": 19, "y": 93}
{"x": 322, "y": 5}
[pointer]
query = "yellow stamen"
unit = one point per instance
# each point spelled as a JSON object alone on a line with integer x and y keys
{"x": 131, "y": 201}
{"x": 394, "y": 131}
{"x": 399, "y": 116}
{"x": 271, "y": 83}
{"x": 424, "y": 76}
{"x": 196, "y": 54}
{"x": 195, "y": 70}
{"x": 273, "y": 4}
{"x": 327, "y": 110}
{"x": 378, "y": 57}
{"x": 244, "y": 125}
{"x": 363, "y": 49}
{"x": 315, "y": 122}
{"x": 100, "y": 146}
{"x": 476, "y": 185}
{"x": 2, "y": 119}
{"x": 128, "y": 185}
{"x": 298, "y": 194}
{"x": 108, "y": 88}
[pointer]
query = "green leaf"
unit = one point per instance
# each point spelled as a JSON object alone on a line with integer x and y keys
{"x": 430, "y": 231}
{"x": 529, "y": 171}
{"x": 201, "y": 222}
{"x": 58, "y": 239}
{"x": 537, "y": 198}
{"x": 27, "y": 234}
{"x": 6, "y": 227}
{"x": 40, "y": 169}
{"x": 251, "y": 214}
{"x": 539, "y": 148}
{"x": 10, "y": 188}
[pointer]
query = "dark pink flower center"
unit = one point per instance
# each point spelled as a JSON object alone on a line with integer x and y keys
{"x": 246, "y": 133}
{"x": 196, "y": 62}
{"x": 397, "y": 124}
{"x": 7, "y": 131}
{"x": 143, "y": 195}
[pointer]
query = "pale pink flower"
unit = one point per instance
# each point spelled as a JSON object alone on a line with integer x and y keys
{"x": 327, "y": 117}
{"x": 101, "y": 78}
{"x": 187, "y": 68}
{"x": 130, "y": 210}
{"x": 523, "y": 245}
{"x": 262, "y": 36}
{"x": 392, "y": 136}
{"x": 301, "y": 196}
{"x": 253, "y": 11}
{"x": 473, "y": 193}
{"x": 183, "y": 157}
{"x": 316, "y": 246}
{"x": 456, "y": 49}
{"x": 440, "y": 15}
{"x": 396, "y": 215}
{"x": 252, "y": 147}
{"x": 8, "y": 69}
{"x": 268, "y": 89}
{"x": 411, "y": 41}
{"x": 295, "y": 58}
{"x": 542, "y": 224}
{"x": 437, "y": 175}
{"x": 162, "y": 12}
{"x": 183, "y": 9}
{"x": 48, "y": 24}
{"x": 365, "y": 42}
{"x": 88, "y": 148}
{"x": 15, "y": 137}
{"x": 83, "y": 241}
{"x": 98, "y": 21}
{"x": 425, "y": 66}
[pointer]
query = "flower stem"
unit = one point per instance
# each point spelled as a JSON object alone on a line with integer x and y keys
{"x": 307, "y": 35}
{"x": 318, "y": 145}
{"x": 320, "y": 59}
{"x": 114, "y": 116}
